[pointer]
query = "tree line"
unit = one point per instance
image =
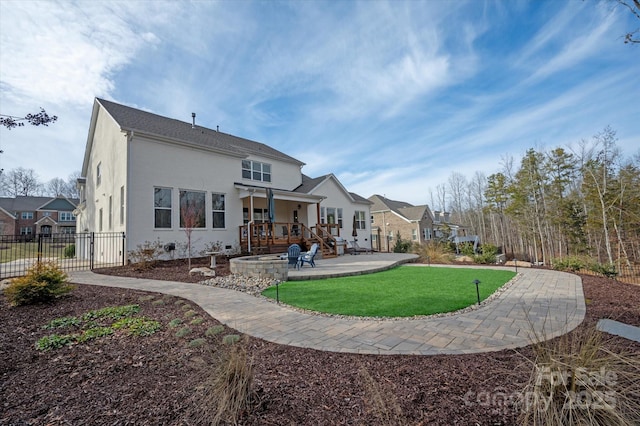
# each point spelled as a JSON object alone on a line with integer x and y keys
{"x": 555, "y": 203}
{"x": 25, "y": 182}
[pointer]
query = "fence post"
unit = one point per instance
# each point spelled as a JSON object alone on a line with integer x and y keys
{"x": 91, "y": 249}
{"x": 124, "y": 252}
{"x": 39, "y": 248}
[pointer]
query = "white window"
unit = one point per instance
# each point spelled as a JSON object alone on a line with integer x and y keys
{"x": 67, "y": 217}
{"x": 27, "y": 215}
{"x": 218, "y": 208}
{"x": 98, "y": 174}
{"x": 426, "y": 233}
{"x": 414, "y": 234}
{"x": 260, "y": 215}
{"x": 26, "y": 230}
{"x": 162, "y": 207}
{"x": 192, "y": 213}
{"x": 390, "y": 235}
{"x": 68, "y": 230}
{"x": 255, "y": 170}
{"x": 46, "y": 214}
{"x": 360, "y": 220}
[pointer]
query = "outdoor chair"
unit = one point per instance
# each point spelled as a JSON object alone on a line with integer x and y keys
{"x": 309, "y": 256}
{"x": 356, "y": 249}
{"x": 293, "y": 254}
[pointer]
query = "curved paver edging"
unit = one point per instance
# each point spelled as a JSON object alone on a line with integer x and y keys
{"x": 548, "y": 303}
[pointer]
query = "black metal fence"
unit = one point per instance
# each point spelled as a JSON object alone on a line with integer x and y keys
{"x": 72, "y": 252}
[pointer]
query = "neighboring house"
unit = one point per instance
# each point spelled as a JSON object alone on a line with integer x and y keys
{"x": 28, "y": 216}
{"x": 156, "y": 179}
{"x": 414, "y": 223}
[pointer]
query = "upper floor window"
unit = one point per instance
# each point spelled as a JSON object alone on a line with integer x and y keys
{"x": 46, "y": 214}
{"x": 192, "y": 214}
{"x": 27, "y": 215}
{"x": 255, "y": 170}
{"x": 162, "y": 207}
{"x": 67, "y": 217}
{"x": 98, "y": 174}
{"x": 217, "y": 207}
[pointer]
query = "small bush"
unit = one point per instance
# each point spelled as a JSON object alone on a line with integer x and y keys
{"x": 487, "y": 254}
{"x": 63, "y": 322}
{"x": 70, "y": 251}
{"x": 184, "y": 331}
{"x": 146, "y": 255}
{"x": 215, "y": 330}
{"x": 54, "y": 341}
{"x": 196, "y": 343}
{"x": 434, "y": 252}
{"x": 112, "y": 312}
{"x": 230, "y": 339}
{"x": 606, "y": 269}
{"x": 401, "y": 246}
{"x": 138, "y": 326}
{"x": 190, "y": 314}
{"x": 44, "y": 282}
{"x": 228, "y": 391}
{"x": 175, "y": 322}
{"x": 577, "y": 380}
{"x": 196, "y": 321}
{"x": 571, "y": 263}
{"x": 94, "y": 333}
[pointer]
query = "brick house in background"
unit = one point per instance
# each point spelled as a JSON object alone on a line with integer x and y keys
{"x": 417, "y": 224}
{"x": 26, "y": 217}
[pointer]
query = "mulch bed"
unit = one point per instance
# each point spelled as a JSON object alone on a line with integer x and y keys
{"x": 158, "y": 379}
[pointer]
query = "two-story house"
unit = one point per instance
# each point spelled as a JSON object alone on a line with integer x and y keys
{"x": 25, "y": 217}
{"x": 157, "y": 179}
{"x": 417, "y": 224}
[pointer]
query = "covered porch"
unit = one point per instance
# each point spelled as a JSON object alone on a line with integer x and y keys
{"x": 273, "y": 219}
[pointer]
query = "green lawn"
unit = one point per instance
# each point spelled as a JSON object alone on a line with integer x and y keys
{"x": 400, "y": 292}
{"x": 23, "y": 250}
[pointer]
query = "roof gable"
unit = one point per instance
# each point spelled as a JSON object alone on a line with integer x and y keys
{"x": 59, "y": 204}
{"x": 309, "y": 185}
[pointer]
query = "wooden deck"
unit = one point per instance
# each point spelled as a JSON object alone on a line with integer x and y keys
{"x": 276, "y": 237}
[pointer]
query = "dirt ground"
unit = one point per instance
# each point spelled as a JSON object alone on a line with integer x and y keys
{"x": 159, "y": 379}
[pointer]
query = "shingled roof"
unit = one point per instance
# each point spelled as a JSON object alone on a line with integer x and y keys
{"x": 382, "y": 203}
{"x": 136, "y": 120}
{"x": 406, "y": 210}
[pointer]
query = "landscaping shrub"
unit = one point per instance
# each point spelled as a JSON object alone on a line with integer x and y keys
{"x": 43, "y": 282}
{"x": 228, "y": 391}
{"x": 434, "y": 252}
{"x": 401, "y": 246}
{"x": 607, "y": 269}
{"x": 487, "y": 254}
{"x": 70, "y": 251}
{"x": 570, "y": 263}
{"x": 146, "y": 255}
{"x": 577, "y": 380}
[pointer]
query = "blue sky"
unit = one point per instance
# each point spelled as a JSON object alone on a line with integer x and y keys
{"x": 391, "y": 97}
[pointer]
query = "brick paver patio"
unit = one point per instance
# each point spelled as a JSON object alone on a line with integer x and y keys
{"x": 548, "y": 302}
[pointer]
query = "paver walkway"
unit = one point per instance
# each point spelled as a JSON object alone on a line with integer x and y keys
{"x": 547, "y": 302}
